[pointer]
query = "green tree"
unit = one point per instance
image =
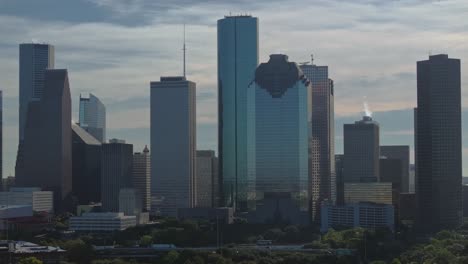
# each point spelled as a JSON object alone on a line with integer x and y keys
{"x": 30, "y": 260}
{"x": 146, "y": 241}
{"x": 79, "y": 251}
{"x": 171, "y": 257}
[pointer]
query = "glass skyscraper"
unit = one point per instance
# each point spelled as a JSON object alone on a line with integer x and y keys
{"x": 237, "y": 61}
{"x": 34, "y": 60}
{"x": 278, "y": 119}
{"x": 93, "y": 117}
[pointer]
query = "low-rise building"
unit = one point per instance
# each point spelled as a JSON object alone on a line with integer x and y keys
{"x": 221, "y": 215}
{"x": 365, "y": 215}
{"x": 41, "y": 201}
{"x": 13, "y": 251}
{"x": 101, "y": 222}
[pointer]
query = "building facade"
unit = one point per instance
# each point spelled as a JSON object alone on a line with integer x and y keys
{"x": 86, "y": 166}
{"x": 40, "y": 201}
{"x": 34, "y": 60}
{"x": 48, "y": 140}
{"x": 142, "y": 177}
{"x": 237, "y": 61}
{"x": 116, "y": 172}
{"x": 207, "y": 179}
{"x": 93, "y": 117}
{"x": 279, "y": 113}
{"x": 373, "y": 192}
{"x": 101, "y": 222}
{"x": 361, "y": 151}
{"x": 339, "y": 169}
{"x": 173, "y": 144}
{"x": 438, "y": 144}
{"x": 401, "y": 153}
{"x": 322, "y": 179}
{"x": 1, "y": 135}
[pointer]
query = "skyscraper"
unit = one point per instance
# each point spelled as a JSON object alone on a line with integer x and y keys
{"x": 34, "y": 59}
{"x": 173, "y": 144}
{"x": 48, "y": 140}
{"x": 339, "y": 168}
{"x": 207, "y": 179}
{"x": 237, "y": 61}
{"x": 361, "y": 151}
{"x": 93, "y": 117}
{"x": 86, "y": 164}
{"x": 278, "y": 126}
{"x": 1, "y": 135}
{"x": 142, "y": 177}
{"x": 401, "y": 153}
{"x": 116, "y": 172}
{"x": 438, "y": 144}
{"x": 323, "y": 177}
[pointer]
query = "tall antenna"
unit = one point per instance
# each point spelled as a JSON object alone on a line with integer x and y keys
{"x": 312, "y": 59}
{"x": 184, "y": 49}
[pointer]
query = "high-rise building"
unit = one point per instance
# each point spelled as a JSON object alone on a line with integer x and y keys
{"x": 361, "y": 151}
{"x": 401, "y": 153}
{"x": 438, "y": 144}
{"x": 48, "y": 140}
{"x": 391, "y": 171}
{"x": 278, "y": 129}
{"x": 207, "y": 179}
{"x": 116, "y": 172}
{"x": 373, "y": 192}
{"x": 86, "y": 164}
{"x": 93, "y": 117}
{"x": 173, "y": 144}
{"x": 339, "y": 168}
{"x": 237, "y": 61}
{"x": 142, "y": 177}
{"x": 1, "y": 135}
{"x": 34, "y": 59}
{"x": 322, "y": 176}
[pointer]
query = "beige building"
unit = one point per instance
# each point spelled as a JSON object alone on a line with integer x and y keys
{"x": 374, "y": 192}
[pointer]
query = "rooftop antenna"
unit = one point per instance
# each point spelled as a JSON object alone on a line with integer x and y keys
{"x": 185, "y": 50}
{"x": 312, "y": 59}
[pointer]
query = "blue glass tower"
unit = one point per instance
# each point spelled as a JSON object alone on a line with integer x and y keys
{"x": 237, "y": 61}
{"x": 278, "y": 123}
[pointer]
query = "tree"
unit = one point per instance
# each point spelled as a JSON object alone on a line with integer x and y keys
{"x": 30, "y": 260}
{"x": 146, "y": 241}
{"x": 171, "y": 257}
{"x": 78, "y": 251}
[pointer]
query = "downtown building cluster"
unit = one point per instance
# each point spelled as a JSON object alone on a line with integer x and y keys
{"x": 276, "y": 147}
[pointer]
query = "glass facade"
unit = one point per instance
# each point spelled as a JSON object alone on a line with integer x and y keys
{"x": 237, "y": 61}
{"x": 93, "y": 117}
{"x": 279, "y": 113}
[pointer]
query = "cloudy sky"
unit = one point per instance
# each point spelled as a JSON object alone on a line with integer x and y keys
{"x": 114, "y": 48}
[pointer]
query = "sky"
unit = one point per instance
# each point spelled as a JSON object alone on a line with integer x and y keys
{"x": 114, "y": 48}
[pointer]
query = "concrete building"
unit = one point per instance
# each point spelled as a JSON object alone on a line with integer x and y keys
{"x": 278, "y": 134}
{"x": 41, "y": 201}
{"x": 207, "y": 179}
{"x": 142, "y": 177}
{"x": 438, "y": 134}
{"x": 365, "y": 215}
{"x": 237, "y": 61}
{"x": 116, "y": 172}
{"x": 391, "y": 172}
{"x": 130, "y": 203}
{"x": 322, "y": 178}
{"x": 1, "y": 135}
{"x": 9, "y": 213}
{"x": 93, "y": 117}
{"x": 374, "y": 192}
{"x": 86, "y": 166}
{"x": 101, "y": 222}
{"x": 407, "y": 207}
{"x": 401, "y": 153}
{"x": 47, "y": 156}
{"x": 339, "y": 169}
{"x": 361, "y": 151}
{"x": 173, "y": 144}
{"x": 34, "y": 60}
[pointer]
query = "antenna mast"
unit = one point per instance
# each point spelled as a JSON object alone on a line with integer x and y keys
{"x": 184, "y": 49}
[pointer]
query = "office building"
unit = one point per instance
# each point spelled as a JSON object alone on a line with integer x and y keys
{"x": 220, "y": 215}
{"x": 373, "y": 192}
{"x": 93, "y": 117}
{"x": 9, "y": 213}
{"x": 142, "y": 177}
{"x": 401, "y": 153}
{"x": 407, "y": 207}
{"x": 339, "y": 169}
{"x": 322, "y": 178}
{"x": 438, "y": 144}
{"x": 365, "y": 215}
{"x": 40, "y": 201}
{"x": 361, "y": 151}
{"x": 391, "y": 172}
{"x": 465, "y": 200}
{"x": 207, "y": 179}
{"x": 101, "y": 222}
{"x": 17, "y": 251}
{"x": 412, "y": 178}
{"x": 130, "y": 203}
{"x": 1, "y": 135}
{"x": 86, "y": 166}
{"x": 173, "y": 144}
{"x": 47, "y": 157}
{"x": 116, "y": 172}
{"x": 34, "y": 59}
{"x": 237, "y": 61}
{"x": 278, "y": 130}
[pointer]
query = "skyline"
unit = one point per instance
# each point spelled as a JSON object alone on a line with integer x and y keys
{"x": 146, "y": 50}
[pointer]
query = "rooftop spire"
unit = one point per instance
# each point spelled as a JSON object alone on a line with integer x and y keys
{"x": 146, "y": 150}
{"x": 184, "y": 50}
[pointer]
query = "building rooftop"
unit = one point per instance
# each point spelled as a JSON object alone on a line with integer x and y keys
{"x": 85, "y": 136}
{"x": 23, "y": 247}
